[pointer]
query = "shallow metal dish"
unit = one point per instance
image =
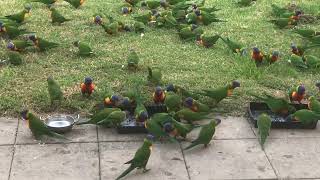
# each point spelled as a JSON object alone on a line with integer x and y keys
{"x": 60, "y": 123}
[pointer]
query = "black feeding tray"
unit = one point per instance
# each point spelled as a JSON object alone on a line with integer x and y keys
{"x": 130, "y": 126}
{"x": 155, "y": 108}
{"x": 255, "y": 109}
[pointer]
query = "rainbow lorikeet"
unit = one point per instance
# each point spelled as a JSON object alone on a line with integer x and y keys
{"x": 304, "y": 116}
{"x": 54, "y": 90}
{"x": 20, "y": 17}
{"x": 276, "y": 104}
{"x": 306, "y": 33}
{"x": 141, "y": 113}
{"x": 56, "y": 17}
{"x": 284, "y": 22}
{"x": 133, "y": 59}
{"x": 208, "y": 40}
{"x": 140, "y": 159}
{"x": 75, "y": 3}
{"x": 84, "y": 48}
{"x": 14, "y": 58}
{"x": 300, "y": 49}
{"x": 37, "y": 127}
{"x": 159, "y": 95}
{"x": 181, "y": 129}
{"x": 189, "y": 32}
{"x": 8, "y": 22}
{"x": 173, "y": 101}
{"x": 181, "y": 91}
{"x": 205, "y": 136}
{"x": 158, "y": 125}
{"x": 190, "y": 116}
{"x": 111, "y": 28}
{"x": 97, "y": 19}
{"x": 87, "y": 87}
{"x": 195, "y": 105}
{"x": 112, "y": 101}
{"x": 264, "y": 125}
{"x": 99, "y": 116}
{"x": 297, "y": 93}
{"x": 47, "y": 2}
{"x": 154, "y": 75}
{"x": 314, "y": 104}
{"x": 12, "y": 31}
{"x": 312, "y": 61}
{"x": 220, "y": 93}
{"x": 297, "y": 61}
{"x": 18, "y": 45}
{"x": 234, "y": 46}
{"x": 114, "y": 119}
{"x": 273, "y": 57}
{"x": 257, "y": 55}
{"x": 126, "y": 10}
{"x": 206, "y": 18}
{"x": 42, "y": 44}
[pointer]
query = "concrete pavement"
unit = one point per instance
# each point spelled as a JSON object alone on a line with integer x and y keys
{"x": 99, "y": 153}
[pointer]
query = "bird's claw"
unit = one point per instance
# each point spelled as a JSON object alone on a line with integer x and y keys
{"x": 146, "y": 170}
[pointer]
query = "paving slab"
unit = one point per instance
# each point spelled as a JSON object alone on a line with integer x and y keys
{"x": 228, "y": 159}
{"x": 73, "y": 161}
{"x": 293, "y": 133}
{"x": 8, "y": 128}
{"x": 166, "y": 161}
{"x": 81, "y": 133}
{"x": 5, "y": 161}
{"x": 295, "y": 158}
{"x": 229, "y": 128}
{"x": 111, "y": 134}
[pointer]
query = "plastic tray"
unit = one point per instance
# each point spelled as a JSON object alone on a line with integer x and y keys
{"x": 255, "y": 109}
{"x": 130, "y": 126}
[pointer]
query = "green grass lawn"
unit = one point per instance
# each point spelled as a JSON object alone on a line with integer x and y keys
{"x": 185, "y": 64}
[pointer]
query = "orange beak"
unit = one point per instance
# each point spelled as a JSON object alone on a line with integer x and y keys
{"x": 107, "y": 100}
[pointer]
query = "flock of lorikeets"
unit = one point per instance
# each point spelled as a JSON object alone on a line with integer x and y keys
{"x": 183, "y": 107}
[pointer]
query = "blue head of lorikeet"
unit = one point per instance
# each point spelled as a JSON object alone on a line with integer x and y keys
{"x": 235, "y": 84}
{"x": 126, "y": 102}
{"x": 275, "y": 53}
{"x": 197, "y": 12}
{"x": 256, "y": 50}
{"x": 88, "y": 80}
{"x": 112, "y": 100}
{"x": 97, "y": 20}
{"x": 170, "y": 87}
{"x": 125, "y": 10}
{"x": 168, "y": 127}
{"x": 301, "y": 90}
{"x": 10, "y": 45}
{"x": 158, "y": 91}
{"x": 143, "y": 116}
{"x": 189, "y": 102}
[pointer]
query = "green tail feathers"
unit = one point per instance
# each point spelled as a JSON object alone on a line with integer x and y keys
{"x": 193, "y": 144}
{"x": 131, "y": 168}
{"x": 59, "y": 136}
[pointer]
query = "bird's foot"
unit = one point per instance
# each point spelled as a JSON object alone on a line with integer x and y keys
{"x": 145, "y": 170}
